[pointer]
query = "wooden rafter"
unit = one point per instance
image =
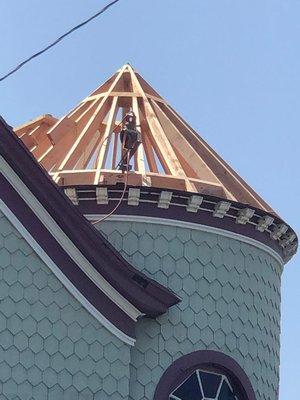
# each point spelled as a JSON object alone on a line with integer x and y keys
{"x": 83, "y": 147}
{"x": 102, "y": 155}
{"x": 139, "y": 155}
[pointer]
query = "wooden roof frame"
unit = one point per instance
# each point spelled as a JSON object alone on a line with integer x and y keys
{"x": 83, "y": 147}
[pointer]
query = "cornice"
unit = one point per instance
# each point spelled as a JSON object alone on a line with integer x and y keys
{"x": 198, "y": 209}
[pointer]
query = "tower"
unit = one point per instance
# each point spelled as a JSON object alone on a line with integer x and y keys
{"x": 177, "y": 298}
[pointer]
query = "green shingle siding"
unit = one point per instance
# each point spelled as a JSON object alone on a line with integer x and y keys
{"x": 230, "y": 302}
{"x": 50, "y": 346}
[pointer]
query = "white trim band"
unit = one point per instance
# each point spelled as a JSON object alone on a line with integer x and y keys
{"x": 62, "y": 278}
{"x": 190, "y": 225}
{"x": 66, "y": 243}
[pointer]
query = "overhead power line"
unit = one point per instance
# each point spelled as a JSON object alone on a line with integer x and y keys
{"x": 58, "y": 40}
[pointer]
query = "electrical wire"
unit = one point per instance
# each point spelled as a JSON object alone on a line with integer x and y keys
{"x": 126, "y": 156}
{"x": 58, "y": 40}
{"x": 122, "y": 196}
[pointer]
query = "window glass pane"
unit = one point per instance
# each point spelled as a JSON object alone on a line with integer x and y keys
{"x": 190, "y": 389}
{"x": 210, "y": 384}
{"x": 204, "y": 385}
{"x": 225, "y": 392}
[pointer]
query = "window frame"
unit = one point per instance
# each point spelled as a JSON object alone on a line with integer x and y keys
{"x": 197, "y": 372}
{"x": 210, "y": 361}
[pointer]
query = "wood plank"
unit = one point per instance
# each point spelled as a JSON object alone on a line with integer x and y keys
{"x": 65, "y": 126}
{"x": 85, "y": 136}
{"x": 106, "y": 85}
{"x": 39, "y": 132}
{"x": 139, "y": 155}
{"x": 102, "y": 156}
{"x": 56, "y": 153}
{"x": 167, "y": 181}
{"x": 161, "y": 144}
{"x": 30, "y": 130}
{"x": 233, "y": 183}
{"x": 108, "y": 177}
{"x": 125, "y": 94}
{"x": 90, "y": 128}
{"x": 83, "y": 118}
{"x": 115, "y": 151}
{"x": 80, "y": 109}
{"x": 149, "y": 152}
{"x": 112, "y": 177}
{"x": 29, "y": 142}
{"x": 46, "y": 118}
{"x": 65, "y": 130}
{"x": 192, "y": 163}
{"x": 125, "y": 111}
{"x": 89, "y": 151}
{"x": 44, "y": 144}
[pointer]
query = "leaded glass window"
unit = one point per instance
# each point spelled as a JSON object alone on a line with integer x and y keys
{"x": 204, "y": 385}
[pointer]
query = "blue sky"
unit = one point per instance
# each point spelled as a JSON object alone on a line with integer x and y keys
{"x": 231, "y": 68}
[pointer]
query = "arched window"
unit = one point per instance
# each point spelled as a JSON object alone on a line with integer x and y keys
{"x": 204, "y": 375}
{"x": 204, "y": 385}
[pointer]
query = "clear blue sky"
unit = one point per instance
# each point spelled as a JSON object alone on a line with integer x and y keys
{"x": 231, "y": 68}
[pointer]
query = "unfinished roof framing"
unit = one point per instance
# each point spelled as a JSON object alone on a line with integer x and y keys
{"x": 83, "y": 147}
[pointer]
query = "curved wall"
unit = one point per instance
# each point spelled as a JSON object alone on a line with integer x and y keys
{"x": 230, "y": 294}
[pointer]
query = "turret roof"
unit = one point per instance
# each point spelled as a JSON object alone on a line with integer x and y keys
{"x": 83, "y": 147}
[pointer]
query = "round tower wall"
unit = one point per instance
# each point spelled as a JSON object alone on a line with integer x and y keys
{"x": 230, "y": 291}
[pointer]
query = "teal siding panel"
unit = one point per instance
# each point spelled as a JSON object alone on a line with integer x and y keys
{"x": 230, "y": 302}
{"x": 50, "y": 346}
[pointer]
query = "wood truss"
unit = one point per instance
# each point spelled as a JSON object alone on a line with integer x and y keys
{"x": 84, "y": 148}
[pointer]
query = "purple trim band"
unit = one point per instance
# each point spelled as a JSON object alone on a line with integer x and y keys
{"x": 78, "y": 278}
{"x": 148, "y": 296}
{"x": 150, "y": 209}
{"x": 217, "y": 361}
